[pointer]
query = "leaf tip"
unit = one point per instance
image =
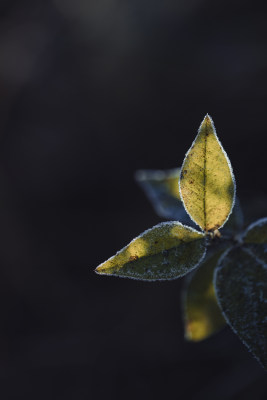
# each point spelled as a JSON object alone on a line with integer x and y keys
{"x": 195, "y": 331}
{"x": 207, "y": 120}
{"x": 99, "y": 270}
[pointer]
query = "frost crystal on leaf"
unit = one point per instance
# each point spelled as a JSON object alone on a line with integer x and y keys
{"x": 229, "y": 287}
{"x": 166, "y": 251}
{"x": 207, "y": 184}
{"x": 241, "y": 289}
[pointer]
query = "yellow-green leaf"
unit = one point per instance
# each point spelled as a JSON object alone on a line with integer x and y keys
{"x": 167, "y": 251}
{"x": 202, "y": 315}
{"x": 207, "y": 185}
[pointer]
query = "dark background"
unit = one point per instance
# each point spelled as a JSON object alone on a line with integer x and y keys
{"x": 90, "y": 91}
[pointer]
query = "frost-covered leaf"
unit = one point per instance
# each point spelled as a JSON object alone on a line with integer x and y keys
{"x": 256, "y": 232}
{"x": 241, "y": 289}
{"x": 255, "y": 239}
{"x": 202, "y": 315}
{"x": 167, "y": 251}
{"x": 162, "y": 189}
{"x": 235, "y": 221}
{"x": 207, "y": 185}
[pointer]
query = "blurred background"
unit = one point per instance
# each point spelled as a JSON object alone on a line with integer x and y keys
{"x": 90, "y": 91}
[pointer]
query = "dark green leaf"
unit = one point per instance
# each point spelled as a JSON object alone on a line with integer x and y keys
{"x": 256, "y": 232}
{"x": 255, "y": 239}
{"x": 235, "y": 221}
{"x": 241, "y": 289}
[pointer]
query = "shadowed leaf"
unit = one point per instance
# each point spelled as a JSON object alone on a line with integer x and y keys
{"x": 202, "y": 314}
{"x": 162, "y": 189}
{"x": 167, "y": 251}
{"x": 235, "y": 221}
{"x": 241, "y": 289}
{"x": 256, "y": 232}
{"x": 255, "y": 239}
{"x": 207, "y": 186}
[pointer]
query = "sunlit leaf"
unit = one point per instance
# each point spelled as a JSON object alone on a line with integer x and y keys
{"x": 167, "y": 251}
{"x": 162, "y": 189}
{"x": 207, "y": 184}
{"x": 241, "y": 289}
{"x": 202, "y": 315}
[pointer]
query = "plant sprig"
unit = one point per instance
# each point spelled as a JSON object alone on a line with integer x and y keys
{"x": 226, "y": 266}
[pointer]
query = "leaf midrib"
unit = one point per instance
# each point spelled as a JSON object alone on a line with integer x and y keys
{"x": 205, "y": 178}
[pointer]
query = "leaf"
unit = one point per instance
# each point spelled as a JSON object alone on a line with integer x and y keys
{"x": 235, "y": 222}
{"x": 162, "y": 189}
{"x": 241, "y": 288}
{"x": 207, "y": 185}
{"x": 202, "y": 314}
{"x": 256, "y": 232}
{"x": 255, "y": 239}
{"x": 167, "y": 251}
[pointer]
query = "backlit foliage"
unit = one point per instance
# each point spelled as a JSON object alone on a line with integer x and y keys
{"x": 229, "y": 286}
